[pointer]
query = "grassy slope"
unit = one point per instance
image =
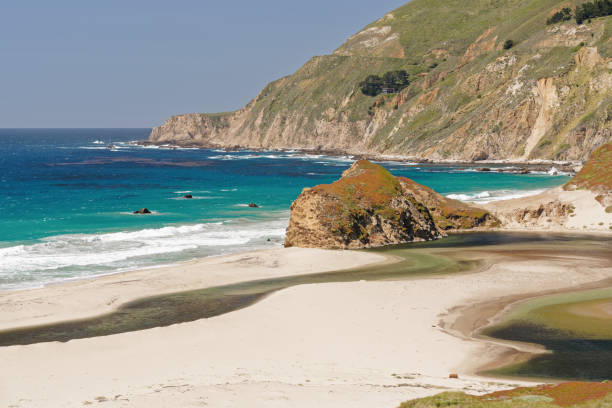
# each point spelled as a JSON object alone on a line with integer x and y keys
{"x": 596, "y": 175}
{"x": 323, "y": 82}
{"x": 424, "y": 25}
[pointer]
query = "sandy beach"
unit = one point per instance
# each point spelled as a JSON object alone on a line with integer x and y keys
{"x": 587, "y": 215}
{"x": 360, "y": 344}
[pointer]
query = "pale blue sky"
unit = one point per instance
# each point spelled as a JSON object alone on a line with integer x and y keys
{"x": 134, "y": 63}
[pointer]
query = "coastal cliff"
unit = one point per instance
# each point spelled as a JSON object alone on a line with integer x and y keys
{"x": 369, "y": 207}
{"x": 548, "y": 96}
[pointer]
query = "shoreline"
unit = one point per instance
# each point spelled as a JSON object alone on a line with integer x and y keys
{"x": 129, "y": 286}
{"x": 180, "y": 263}
{"x": 270, "y": 348}
{"x": 151, "y": 272}
{"x": 536, "y": 163}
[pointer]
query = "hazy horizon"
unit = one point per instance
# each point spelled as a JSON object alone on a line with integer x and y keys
{"x": 132, "y": 65}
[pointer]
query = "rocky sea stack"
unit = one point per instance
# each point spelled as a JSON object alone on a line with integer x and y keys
{"x": 369, "y": 207}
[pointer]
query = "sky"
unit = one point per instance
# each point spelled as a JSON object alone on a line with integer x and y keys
{"x": 133, "y": 63}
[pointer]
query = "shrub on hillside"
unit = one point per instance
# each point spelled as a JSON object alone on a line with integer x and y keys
{"x": 593, "y": 9}
{"x": 391, "y": 82}
{"x": 372, "y": 85}
{"x": 564, "y": 15}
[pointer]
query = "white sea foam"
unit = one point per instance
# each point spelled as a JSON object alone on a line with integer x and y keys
{"x": 484, "y": 197}
{"x": 84, "y": 255}
{"x": 281, "y": 155}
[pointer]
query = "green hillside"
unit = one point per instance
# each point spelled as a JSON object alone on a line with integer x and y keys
{"x": 548, "y": 96}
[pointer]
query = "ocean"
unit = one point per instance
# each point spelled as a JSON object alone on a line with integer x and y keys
{"x": 67, "y": 201}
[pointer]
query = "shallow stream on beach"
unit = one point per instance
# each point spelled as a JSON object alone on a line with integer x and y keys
{"x": 576, "y": 327}
{"x": 589, "y": 353}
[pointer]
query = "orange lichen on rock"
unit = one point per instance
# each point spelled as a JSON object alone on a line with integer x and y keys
{"x": 367, "y": 207}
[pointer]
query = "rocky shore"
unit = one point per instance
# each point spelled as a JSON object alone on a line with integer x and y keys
{"x": 570, "y": 167}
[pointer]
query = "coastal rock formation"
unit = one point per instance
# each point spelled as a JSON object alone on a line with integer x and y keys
{"x": 548, "y": 97}
{"x": 546, "y": 215}
{"x": 584, "y": 203}
{"x": 449, "y": 214}
{"x": 369, "y": 207}
{"x": 142, "y": 211}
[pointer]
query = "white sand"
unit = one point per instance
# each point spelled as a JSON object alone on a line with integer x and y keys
{"x": 324, "y": 345}
{"x": 589, "y": 215}
{"x": 86, "y": 298}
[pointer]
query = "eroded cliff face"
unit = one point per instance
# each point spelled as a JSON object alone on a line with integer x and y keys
{"x": 369, "y": 207}
{"x": 548, "y": 97}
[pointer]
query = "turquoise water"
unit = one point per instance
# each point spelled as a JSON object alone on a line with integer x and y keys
{"x": 66, "y": 202}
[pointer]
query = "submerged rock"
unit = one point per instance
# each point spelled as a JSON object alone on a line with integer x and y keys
{"x": 187, "y": 196}
{"x": 253, "y": 205}
{"x": 142, "y": 211}
{"x": 369, "y": 207}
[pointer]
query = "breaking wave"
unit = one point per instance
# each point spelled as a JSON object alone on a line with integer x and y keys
{"x": 66, "y": 257}
{"x": 484, "y": 197}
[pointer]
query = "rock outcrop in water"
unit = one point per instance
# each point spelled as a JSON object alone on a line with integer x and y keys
{"x": 548, "y": 97}
{"x": 369, "y": 207}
